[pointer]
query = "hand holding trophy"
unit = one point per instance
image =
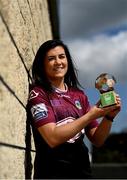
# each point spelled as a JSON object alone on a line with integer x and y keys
{"x": 105, "y": 84}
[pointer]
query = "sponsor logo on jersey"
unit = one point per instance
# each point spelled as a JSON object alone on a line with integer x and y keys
{"x": 77, "y": 104}
{"x": 55, "y": 102}
{"x": 33, "y": 94}
{"x": 63, "y": 95}
{"x": 39, "y": 111}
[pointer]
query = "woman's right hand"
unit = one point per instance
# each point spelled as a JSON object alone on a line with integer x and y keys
{"x": 97, "y": 112}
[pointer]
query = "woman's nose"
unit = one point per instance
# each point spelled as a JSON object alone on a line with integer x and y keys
{"x": 58, "y": 60}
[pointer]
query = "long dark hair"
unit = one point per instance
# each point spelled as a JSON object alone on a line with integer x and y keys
{"x": 38, "y": 71}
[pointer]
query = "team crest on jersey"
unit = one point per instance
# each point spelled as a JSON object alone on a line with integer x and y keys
{"x": 77, "y": 104}
{"x": 39, "y": 111}
{"x": 33, "y": 94}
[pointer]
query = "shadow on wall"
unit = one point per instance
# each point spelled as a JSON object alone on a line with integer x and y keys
{"x": 27, "y": 149}
{"x": 28, "y": 159}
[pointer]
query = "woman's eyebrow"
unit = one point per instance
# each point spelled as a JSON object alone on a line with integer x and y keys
{"x": 55, "y": 55}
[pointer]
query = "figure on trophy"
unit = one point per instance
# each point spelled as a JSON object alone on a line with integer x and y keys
{"x": 105, "y": 84}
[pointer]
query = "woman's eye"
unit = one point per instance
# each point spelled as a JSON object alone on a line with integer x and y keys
{"x": 50, "y": 58}
{"x": 62, "y": 57}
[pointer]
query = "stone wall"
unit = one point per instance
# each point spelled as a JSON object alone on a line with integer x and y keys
{"x": 24, "y": 25}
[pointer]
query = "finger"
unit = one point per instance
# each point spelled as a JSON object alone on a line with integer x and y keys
{"x": 98, "y": 103}
{"x": 118, "y": 97}
{"x": 118, "y": 101}
{"x": 110, "y": 108}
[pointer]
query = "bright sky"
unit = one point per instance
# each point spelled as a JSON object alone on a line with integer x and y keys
{"x": 96, "y": 34}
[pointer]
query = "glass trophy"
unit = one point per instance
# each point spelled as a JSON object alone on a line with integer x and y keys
{"x": 105, "y": 84}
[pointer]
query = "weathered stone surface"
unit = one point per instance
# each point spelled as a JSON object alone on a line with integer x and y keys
{"x": 24, "y": 25}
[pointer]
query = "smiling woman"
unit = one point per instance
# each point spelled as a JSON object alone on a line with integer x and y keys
{"x": 56, "y": 65}
{"x": 61, "y": 116}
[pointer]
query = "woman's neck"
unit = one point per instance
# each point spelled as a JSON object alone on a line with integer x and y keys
{"x": 60, "y": 85}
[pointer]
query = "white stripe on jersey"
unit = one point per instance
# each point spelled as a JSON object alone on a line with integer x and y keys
{"x": 68, "y": 120}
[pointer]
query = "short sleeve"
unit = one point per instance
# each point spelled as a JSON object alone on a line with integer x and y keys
{"x": 40, "y": 107}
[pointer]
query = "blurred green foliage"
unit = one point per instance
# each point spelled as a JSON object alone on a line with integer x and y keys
{"x": 114, "y": 150}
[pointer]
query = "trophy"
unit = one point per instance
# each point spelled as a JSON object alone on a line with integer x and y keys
{"x": 105, "y": 84}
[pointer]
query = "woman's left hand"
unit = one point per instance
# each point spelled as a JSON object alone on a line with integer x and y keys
{"x": 118, "y": 107}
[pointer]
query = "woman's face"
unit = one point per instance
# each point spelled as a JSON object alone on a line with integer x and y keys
{"x": 56, "y": 64}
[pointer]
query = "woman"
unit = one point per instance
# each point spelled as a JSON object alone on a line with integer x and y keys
{"x": 61, "y": 116}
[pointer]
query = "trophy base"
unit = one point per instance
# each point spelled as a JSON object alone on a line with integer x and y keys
{"x": 108, "y": 99}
